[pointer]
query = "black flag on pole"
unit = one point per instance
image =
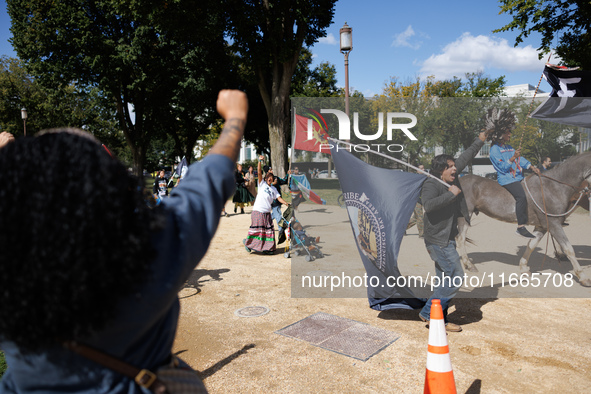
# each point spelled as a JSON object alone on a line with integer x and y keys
{"x": 379, "y": 203}
{"x": 182, "y": 168}
{"x": 570, "y": 100}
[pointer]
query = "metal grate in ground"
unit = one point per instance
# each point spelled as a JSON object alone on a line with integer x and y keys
{"x": 338, "y": 334}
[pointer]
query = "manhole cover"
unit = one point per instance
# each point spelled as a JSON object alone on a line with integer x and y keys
{"x": 340, "y": 335}
{"x": 252, "y": 311}
{"x": 319, "y": 273}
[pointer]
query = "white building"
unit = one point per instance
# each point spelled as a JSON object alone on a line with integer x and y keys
{"x": 247, "y": 152}
{"x": 523, "y": 90}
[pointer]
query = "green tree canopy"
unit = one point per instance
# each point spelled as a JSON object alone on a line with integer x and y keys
{"x": 318, "y": 82}
{"x": 68, "y": 106}
{"x": 539, "y": 138}
{"x": 565, "y": 22}
{"x": 414, "y": 97}
{"x": 160, "y": 64}
{"x": 460, "y": 114}
{"x": 450, "y": 112}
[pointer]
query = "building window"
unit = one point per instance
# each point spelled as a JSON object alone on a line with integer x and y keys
{"x": 485, "y": 150}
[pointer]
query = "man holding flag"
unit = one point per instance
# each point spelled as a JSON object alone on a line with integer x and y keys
{"x": 443, "y": 206}
{"x": 296, "y": 194}
{"x": 160, "y": 188}
{"x": 300, "y": 190}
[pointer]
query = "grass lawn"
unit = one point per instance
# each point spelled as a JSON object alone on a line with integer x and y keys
{"x": 328, "y": 189}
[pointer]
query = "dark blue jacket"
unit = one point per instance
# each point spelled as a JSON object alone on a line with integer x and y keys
{"x": 143, "y": 331}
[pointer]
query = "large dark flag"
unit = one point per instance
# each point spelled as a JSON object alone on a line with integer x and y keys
{"x": 570, "y": 100}
{"x": 379, "y": 203}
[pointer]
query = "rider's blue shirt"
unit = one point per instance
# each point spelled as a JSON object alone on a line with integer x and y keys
{"x": 507, "y": 171}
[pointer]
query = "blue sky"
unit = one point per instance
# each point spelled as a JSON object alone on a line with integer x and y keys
{"x": 406, "y": 39}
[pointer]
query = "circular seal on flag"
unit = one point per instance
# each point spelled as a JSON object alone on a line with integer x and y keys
{"x": 367, "y": 236}
{"x": 368, "y": 227}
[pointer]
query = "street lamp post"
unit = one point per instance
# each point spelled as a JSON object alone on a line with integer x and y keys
{"x": 346, "y": 42}
{"x": 24, "y": 116}
{"x": 346, "y": 33}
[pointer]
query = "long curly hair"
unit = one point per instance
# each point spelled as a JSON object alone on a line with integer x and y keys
{"x": 497, "y": 122}
{"x": 74, "y": 238}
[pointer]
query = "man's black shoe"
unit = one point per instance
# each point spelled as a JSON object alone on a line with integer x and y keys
{"x": 524, "y": 233}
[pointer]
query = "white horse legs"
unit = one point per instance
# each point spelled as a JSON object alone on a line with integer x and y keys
{"x": 584, "y": 274}
{"x": 531, "y": 245}
{"x": 563, "y": 246}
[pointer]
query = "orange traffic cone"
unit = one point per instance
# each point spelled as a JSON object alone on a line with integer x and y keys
{"x": 439, "y": 377}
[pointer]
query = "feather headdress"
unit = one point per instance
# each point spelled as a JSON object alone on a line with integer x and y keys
{"x": 497, "y": 122}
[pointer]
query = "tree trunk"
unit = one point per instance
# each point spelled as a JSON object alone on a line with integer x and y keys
{"x": 278, "y": 143}
{"x": 277, "y": 104}
{"x": 133, "y": 135}
{"x": 139, "y": 158}
{"x": 138, "y": 152}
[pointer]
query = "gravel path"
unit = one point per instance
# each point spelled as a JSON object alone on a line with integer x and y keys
{"x": 509, "y": 344}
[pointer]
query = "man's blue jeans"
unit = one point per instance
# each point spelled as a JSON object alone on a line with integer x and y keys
{"x": 276, "y": 214}
{"x": 448, "y": 268}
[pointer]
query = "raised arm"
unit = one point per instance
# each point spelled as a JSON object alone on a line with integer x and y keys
{"x": 468, "y": 154}
{"x": 233, "y": 106}
{"x": 5, "y": 138}
{"x": 260, "y": 169}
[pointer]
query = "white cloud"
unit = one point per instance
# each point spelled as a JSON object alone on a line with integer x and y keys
{"x": 329, "y": 39}
{"x": 408, "y": 39}
{"x": 472, "y": 54}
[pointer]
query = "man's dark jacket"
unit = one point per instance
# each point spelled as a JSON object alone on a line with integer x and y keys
{"x": 442, "y": 208}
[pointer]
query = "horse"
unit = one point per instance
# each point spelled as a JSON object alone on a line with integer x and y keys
{"x": 560, "y": 186}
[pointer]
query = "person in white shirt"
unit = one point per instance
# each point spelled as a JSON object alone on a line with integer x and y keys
{"x": 261, "y": 234}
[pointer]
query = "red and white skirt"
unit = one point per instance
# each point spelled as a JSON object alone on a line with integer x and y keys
{"x": 261, "y": 234}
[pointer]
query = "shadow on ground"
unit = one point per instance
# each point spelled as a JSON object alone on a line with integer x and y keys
{"x": 467, "y": 311}
{"x": 222, "y": 363}
{"x": 201, "y": 276}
